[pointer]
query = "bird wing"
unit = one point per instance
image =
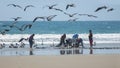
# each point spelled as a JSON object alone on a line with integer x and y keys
{"x": 18, "y": 6}
{"x": 53, "y": 5}
{"x": 27, "y": 7}
{"x": 10, "y": 4}
{"x": 49, "y": 18}
{"x": 67, "y": 7}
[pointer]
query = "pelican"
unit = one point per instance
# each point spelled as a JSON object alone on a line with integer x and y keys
{"x": 15, "y": 19}
{"x": 28, "y": 7}
{"x": 51, "y": 7}
{"x": 88, "y": 15}
{"x": 111, "y": 9}
{"x": 70, "y": 15}
{"x": 100, "y": 8}
{"x": 38, "y": 18}
{"x": 15, "y": 5}
{"x": 73, "y": 19}
{"x": 58, "y": 9}
{"x": 28, "y": 26}
{"x": 49, "y": 18}
{"x": 69, "y": 5}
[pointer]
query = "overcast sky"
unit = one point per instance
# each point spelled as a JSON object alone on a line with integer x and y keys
{"x": 81, "y": 7}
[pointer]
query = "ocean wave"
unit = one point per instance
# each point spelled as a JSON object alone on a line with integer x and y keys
{"x": 55, "y": 38}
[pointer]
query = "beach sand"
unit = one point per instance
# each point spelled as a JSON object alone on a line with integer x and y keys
{"x": 61, "y": 61}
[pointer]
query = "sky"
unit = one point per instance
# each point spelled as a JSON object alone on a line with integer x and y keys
{"x": 81, "y": 7}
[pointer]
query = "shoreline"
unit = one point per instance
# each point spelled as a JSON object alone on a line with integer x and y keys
{"x": 64, "y": 61}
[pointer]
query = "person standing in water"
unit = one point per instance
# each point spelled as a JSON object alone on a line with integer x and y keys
{"x": 31, "y": 40}
{"x": 62, "y": 40}
{"x": 90, "y": 38}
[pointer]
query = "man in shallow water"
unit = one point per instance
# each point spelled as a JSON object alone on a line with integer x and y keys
{"x": 31, "y": 40}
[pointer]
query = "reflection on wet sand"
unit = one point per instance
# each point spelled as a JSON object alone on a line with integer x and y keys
{"x": 91, "y": 51}
{"x": 71, "y": 51}
{"x": 31, "y": 52}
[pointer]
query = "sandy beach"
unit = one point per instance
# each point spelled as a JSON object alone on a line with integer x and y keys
{"x": 63, "y": 61}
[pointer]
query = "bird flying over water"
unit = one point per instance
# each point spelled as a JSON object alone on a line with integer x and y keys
{"x": 28, "y": 7}
{"x": 15, "y": 19}
{"x": 51, "y": 6}
{"x": 49, "y": 18}
{"x": 57, "y": 9}
{"x": 100, "y": 8}
{"x": 70, "y": 5}
{"x": 111, "y": 9}
{"x": 14, "y": 5}
{"x": 73, "y": 19}
{"x": 88, "y": 15}
{"x": 38, "y": 18}
{"x": 70, "y": 15}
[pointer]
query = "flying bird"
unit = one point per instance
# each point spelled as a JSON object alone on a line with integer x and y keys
{"x": 111, "y": 9}
{"x": 3, "y": 32}
{"x": 88, "y": 15}
{"x": 22, "y": 39}
{"x": 51, "y": 6}
{"x": 38, "y": 18}
{"x": 58, "y": 9}
{"x": 49, "y": 18}
{"x": 70, "y": 15}
{"x": 70, "y": 5}
{"x": 73, "y": 19}
{"x": 100, "y": 8}
{"x": 28, "y": 7}
{"x": 15, "y": 19}
{"x": 14, "y": 5}
{"x": 28, "y": 26}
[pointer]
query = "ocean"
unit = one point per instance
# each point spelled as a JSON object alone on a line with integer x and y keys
{"x": 103, "y": 31}
{"x": 48, "y": 33}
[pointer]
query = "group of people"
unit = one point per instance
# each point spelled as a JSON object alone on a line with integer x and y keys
{"x": 75, "y": 41}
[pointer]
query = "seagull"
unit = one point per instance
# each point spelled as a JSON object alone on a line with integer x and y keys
{"x": 49, "y": 18}
{"x": 28, "y": 26}
{"x": 15, "y": 19}
{"x": 100, "y": 8}
{"x": 58, "y": 9}
{"x": 22, "y": 28}
{"x": 4, "y": 31}
{"x": 51, "y": 7}
{"x": 38, "y": 18}
{"x": 69, "y": 5}
{"x": 15, "y": 5}
{"x": 22, "y": 39}
{"x": 27, "y": 7}
{"x": 73, "y": 19}
{"x": 88, "y": 15}
{"x": 111, "y": 9}
{"x": 70, "y": 15}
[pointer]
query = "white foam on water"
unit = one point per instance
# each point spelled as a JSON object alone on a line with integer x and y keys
{"x": 55, "y": 38}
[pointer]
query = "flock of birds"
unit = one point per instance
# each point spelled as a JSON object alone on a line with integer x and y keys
{"x": 48, "y": 18}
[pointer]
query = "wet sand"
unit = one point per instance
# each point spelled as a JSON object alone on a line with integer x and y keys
{"x": 61, "y": 61}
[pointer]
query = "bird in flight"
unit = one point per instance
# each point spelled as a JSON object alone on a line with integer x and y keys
{"x": 14, "y": 5}
{"x": 38, "y": 18}
{"x": 51, "y": 6}
{"x": 111, "y": 9}
{"x": 88, "y": 15}
{"x": 49, "y": 18}
{"x": 100, "y": 8}
{"x": 28, "y": 7}
{"x": 73, "y": 19}
{"x": 70, "y": 15}
{"x": 15, "y": 19}
{"x": 57, "y": 9}
{"x": 70, "y": 5}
